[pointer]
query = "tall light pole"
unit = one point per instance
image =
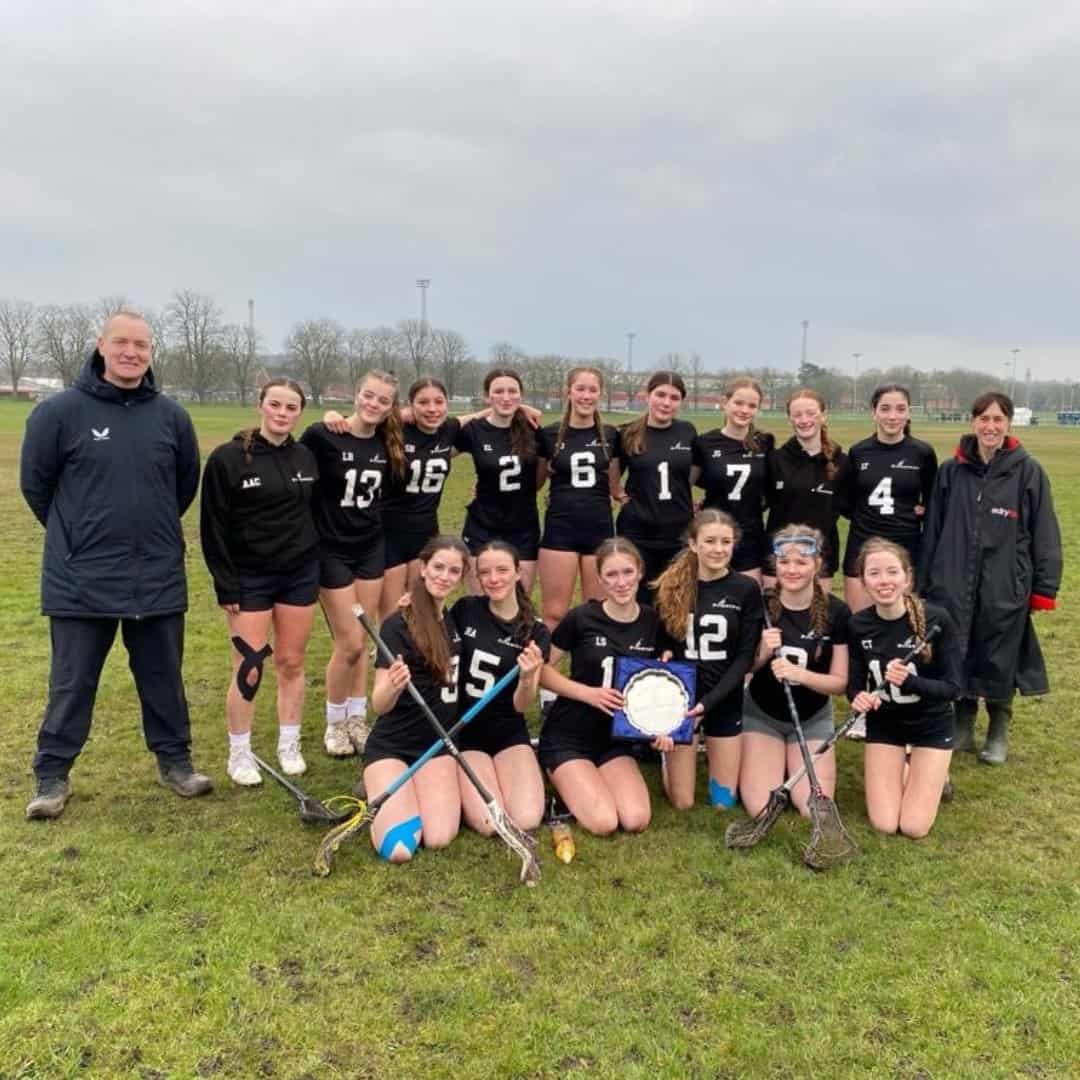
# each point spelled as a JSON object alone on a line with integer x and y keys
{"x": 422, "y": 284}
{"x": 630, "y": 335}
{"x": 1012, "y": 385}
{"x": 856, "y": 356}
{"x": 805, "y": 327}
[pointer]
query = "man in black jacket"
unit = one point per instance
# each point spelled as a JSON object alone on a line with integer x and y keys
{"x": 108, "y": 467}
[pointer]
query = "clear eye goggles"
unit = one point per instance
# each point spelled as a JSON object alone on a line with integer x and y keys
{"x": 805, "y": 545}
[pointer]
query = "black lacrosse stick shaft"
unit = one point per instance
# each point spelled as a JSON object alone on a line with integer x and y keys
{"x": 291, "y": 788}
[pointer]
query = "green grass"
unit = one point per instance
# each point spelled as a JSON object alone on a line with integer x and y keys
{"x": 142, "y": 936}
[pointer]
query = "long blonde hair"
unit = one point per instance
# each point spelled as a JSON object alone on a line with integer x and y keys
{"x": 390, "y": 427}
{"x": 571, "y": 375}
{"x": 914, "y": 607}
{"x": 819, "y": 601}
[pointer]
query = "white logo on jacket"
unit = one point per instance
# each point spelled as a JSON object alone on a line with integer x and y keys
{"x": 250, "y": 482}
{"x": 100, "y": 436}
{"x": 470, "y": 631}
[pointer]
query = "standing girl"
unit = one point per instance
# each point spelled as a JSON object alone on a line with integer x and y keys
{"x": 426, "y": 646}
{"x": 885, "y": 486}
{"x": 503, "y": 449}
{"x": 595, "y": 775}
{"x": 581, "y": 452}
{"x": 715, "y": 616}
{"x": 803, "y": 473}
{"x": 498, "y": 630}
{"x": 917, "y": 710}
{"x": 732, "y": 465}
{"x": 810, "y": 629}
{"x": 656, "y": 450}
{"x": 353, "y": 469}
{"x": 261, "y": 547}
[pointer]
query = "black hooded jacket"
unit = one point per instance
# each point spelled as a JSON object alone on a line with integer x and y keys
{"x": 109, "y": 472}
{"x": 991, "y": 553}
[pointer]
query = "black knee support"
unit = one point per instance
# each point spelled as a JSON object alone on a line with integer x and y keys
{"x": 250, "y": 660}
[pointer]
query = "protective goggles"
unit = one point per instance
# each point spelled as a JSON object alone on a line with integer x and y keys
{"x": 806, "y": 545}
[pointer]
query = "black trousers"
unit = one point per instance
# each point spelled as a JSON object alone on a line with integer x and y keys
{"x": 155, "y": 649}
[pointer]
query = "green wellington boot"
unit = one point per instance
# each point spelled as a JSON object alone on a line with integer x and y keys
{"x": 996, "y": 749}
{"x": 965, "y": 710}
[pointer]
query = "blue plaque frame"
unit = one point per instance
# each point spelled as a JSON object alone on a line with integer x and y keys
{"x": 627, "y": 667}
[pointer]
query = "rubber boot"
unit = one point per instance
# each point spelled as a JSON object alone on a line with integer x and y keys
{"x": 965, "y": 710}
{"x": 996, "y": 749}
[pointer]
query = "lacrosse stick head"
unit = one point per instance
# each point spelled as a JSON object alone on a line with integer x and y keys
{"x": 745, "y": 834}
{"x": 830, "y": 844}
{"x": 328, "y": 846}
{"x": 522, "y": 844}
{"x": 315, "y": 812}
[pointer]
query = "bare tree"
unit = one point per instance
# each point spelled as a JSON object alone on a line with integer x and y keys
{"x": 166, "y": 363}
{"x": 239, "y": 350}
{"x": 451, "y": 358}
{"x": 16, "y": 338}
{"x": 359, "y": 356}
{"x": 503, "y": 354}
{"x": 317, "y": 349}
{"x": 697, "y": 370}
{"x": 195, "y": 323}
{"x": 414, "y": 337}
{"x": 385, "y": 348}
{"x": 64, "y": 335}
{"x": 108, "y": 306}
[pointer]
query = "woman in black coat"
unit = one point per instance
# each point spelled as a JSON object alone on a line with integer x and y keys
{"x": 991, "y": 555}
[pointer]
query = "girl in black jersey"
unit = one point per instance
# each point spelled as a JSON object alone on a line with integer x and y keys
{"x": 595, "y": 775}
{"x": 499, "y": 630}
{"x": 426, "y": 645}
{"x": 508, "y": 474}
{"x": 581, "y": 452}
{"x": 885, "y": 486}
{"x": 261, "y": 546}
{"x": 917, "y": 711}
{"x": 810, "y": 628}
{"x": 656, "y": 451}
{"x": 353, "y": 471}
{"x": 804, "y": 474}
{"x": 715, "y": 616}
{"x": 732, "y": 465}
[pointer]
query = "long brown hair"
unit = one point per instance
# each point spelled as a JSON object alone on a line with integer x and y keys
{"x": 914, "y": 607}
{"x": 522, "y": 437}
{"x": 390, "y": 427}
{"x": 745, "y": 382}
{"x": 676, "y": 588}
{"x": 891, "y": 388}
{"x": 819, "y": 601}
{"x": 827, "y": 446}
{"x": 523, "y": 622}
{"x": 633, "y": 433}
{"x": 424, "y": 620}
{"x": 571, "y": 375}
{"x": 248, "y": 440}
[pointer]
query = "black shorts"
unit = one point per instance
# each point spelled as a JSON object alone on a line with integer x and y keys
{"x": 526, "y": 541}
{"x": 383, "y": 744}
{"x": 338, "y": 570}
{"x": 561, "y": 741}
{"x": 934, "y": 732}
{"x": 404, "y": 545}
{"x": 492, "y": 739}
{"x": 299, "y": 587}
{"x": 722, "y": 723}
{"x": 855, "y": 542}
{"x": 583, "y": 536}
{"x": 751, "y": 552}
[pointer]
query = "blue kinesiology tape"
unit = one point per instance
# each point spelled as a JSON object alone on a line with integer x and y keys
{"x": 720, "y": 795}
{"x": 405, "y": 833}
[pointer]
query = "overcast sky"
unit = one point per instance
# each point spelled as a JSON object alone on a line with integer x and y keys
{"x": 706, "y": 175}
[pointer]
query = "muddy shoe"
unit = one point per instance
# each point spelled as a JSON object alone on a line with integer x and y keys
{"x": 336, "y": 740}
{"x": 181, "y": 777}
{"x": 358, "y": 730}
{"x": 49, "y": 799}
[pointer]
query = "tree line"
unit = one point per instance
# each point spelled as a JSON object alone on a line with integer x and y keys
{"x": 199, "y": 355}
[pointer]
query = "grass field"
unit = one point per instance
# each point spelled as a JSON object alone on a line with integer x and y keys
{"x": 152, "y": 938}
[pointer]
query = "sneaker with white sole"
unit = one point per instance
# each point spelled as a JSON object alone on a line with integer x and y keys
{"x": 292, "y": 761}
{"x": 336, "y": 740}
{"x": 359, "y": 729}
{"x": 242, "y": 769}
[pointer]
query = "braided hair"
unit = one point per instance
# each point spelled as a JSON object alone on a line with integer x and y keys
{"x": 828, "y": 447}
{"x": 914, "y": 606}
{"x": 247, "y": 441}
{"x": 571, "y": 377}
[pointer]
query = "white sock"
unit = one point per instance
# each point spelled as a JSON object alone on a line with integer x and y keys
{"x": 239, "y": 742}
{"x": 288, "y": 733}
{"x": 335, "y": 713}
{"x": 356, "y": 706}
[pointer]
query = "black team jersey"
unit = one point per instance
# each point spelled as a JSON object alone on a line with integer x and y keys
{"x": 736, "y": 480}
{"x": 932, "y": 685}
{"x": 723, "y": 635}
{"x": 405, "y": 725}
{"x": 505, "y": 485}
{"x": 801, "y": 494}
{"x": 488, "y": 651}
{"x": 579, "y": 486}
{"x": 411, "y": 503}
{"x": 883, "y": 483}
{"x": 804, "y": 647}
{"x": 352, "y": 473}
{"x": 594, "y": 641}
{"x": 658, "y": 483}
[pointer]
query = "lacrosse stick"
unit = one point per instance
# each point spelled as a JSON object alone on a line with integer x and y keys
{"x": 746, "y": 834}
{"x": 312, "y": 811}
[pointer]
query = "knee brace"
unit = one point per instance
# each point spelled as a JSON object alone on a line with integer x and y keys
{"x": 719, "y": 795}
{"x": 405, "y": 833}
{"x": 250, "y": 660}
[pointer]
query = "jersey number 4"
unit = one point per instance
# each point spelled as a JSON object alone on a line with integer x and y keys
{"x": 882, "y": 497}
{"x": 369, "y": 483}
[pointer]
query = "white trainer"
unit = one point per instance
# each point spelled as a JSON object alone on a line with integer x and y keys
{"x": 337, "y": 741}
{"x": 242, "y": 768}
{"x": 292, "y": 761}
{"x": 358, "y": 729}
